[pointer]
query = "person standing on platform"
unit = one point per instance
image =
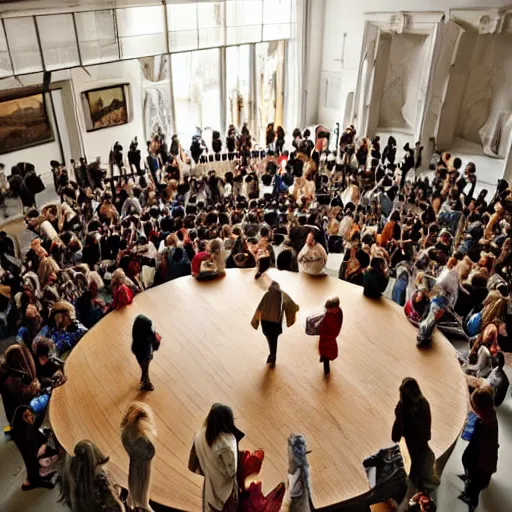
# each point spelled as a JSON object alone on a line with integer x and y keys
{"x": 270, "y": 312}
{"x": 145, "y": 340}
{"x": 298, "y": 491}
{"x": 329, "y": 330}
{"x": 413, "y": 422}
{"x": 214, "y": 454}
{"x": 85, "y": 482}
{"x": 138, "y": 434}
{"x": 480, "y": 458}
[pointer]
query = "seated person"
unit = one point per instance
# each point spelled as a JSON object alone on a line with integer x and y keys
{"x": 218, "y": 255}
{"x": 63, "y": 328}
{"x": 287, "y": 260}
{"x": 353, "y": 269}
{"x": 50, "y": 369}
{"x": 178, "y": 264}
{"x": 497, "y": 380}
{"x": 201, "y": 255}
{"x": 312, "y": 258}
{"x": 375, "y": 278}
{"x": 478, "y": 292}
{"x": 121, "y": 291}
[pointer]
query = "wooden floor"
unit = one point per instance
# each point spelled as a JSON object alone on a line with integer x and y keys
{"x": 210, "y": 353}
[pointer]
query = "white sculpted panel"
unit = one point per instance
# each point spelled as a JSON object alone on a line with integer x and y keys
{"x": 402, "y": 89}
{"x": 486, "y": 113}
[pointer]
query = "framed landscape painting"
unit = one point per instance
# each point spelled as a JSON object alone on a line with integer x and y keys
{"x": 24, "y": 123}
{"x": 107, "y": 107}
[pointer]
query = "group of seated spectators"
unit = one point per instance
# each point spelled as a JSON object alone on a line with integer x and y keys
{"x": 447, "y": 251}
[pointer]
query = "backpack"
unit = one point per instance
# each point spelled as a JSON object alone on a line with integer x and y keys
{"x": 34, "y": 183}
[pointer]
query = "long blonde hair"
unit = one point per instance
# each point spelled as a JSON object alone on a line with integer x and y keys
{"x": 118, "y": 278}
{"x": 138, "y": 423}
{"x": 139, "y": 419}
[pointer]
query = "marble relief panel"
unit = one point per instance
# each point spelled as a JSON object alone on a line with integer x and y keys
{"x": 403, "y": 85}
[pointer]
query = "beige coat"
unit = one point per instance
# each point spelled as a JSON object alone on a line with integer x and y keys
{"x": 272, "y": 306}
{"x": 218, "y": 465}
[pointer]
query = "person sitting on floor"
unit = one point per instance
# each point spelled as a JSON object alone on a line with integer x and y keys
{"x": 312, "y": 258}
{"x": 49, "y": 368}
{"x": 375, "y": 278}
{"x": 63, "y": 328}
{"x": 122, "y": 293}
{"x": 202, "y": 255}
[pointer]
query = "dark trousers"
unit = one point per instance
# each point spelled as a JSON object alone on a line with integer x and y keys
{"x": 144, "y": 378}
{"x": 327, "y": 367}
{"x": 477, "y": 481}
{"x": 272, "y": 346}
{"x": 272, "y": 331}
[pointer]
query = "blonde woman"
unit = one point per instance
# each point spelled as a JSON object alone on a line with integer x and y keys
{"x": 85, "y": 483}
{"x": 218, "y": 255}
{"x": 138, "y": 434}
{"x": 122, "y": 294}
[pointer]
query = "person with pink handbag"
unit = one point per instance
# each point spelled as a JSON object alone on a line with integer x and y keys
{"x": 329, "y": 330}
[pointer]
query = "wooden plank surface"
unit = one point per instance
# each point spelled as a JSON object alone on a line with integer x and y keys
{"x": 210, "y": 353}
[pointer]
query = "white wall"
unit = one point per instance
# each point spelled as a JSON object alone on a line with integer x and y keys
{"x": 342, "y": 16}
{"x": 315, "y": 41}
{"x": 99, "y": 142}
{"x": 92, "y": 144}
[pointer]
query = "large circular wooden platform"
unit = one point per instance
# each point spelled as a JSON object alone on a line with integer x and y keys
{"x": 210, "y": 353}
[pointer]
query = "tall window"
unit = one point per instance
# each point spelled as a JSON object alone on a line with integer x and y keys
{"x": 197, "y": 91}
{"x": 238, "y": 85}
{"x": 269, "y": 85}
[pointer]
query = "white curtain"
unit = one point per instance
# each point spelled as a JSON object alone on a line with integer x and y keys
{"x": 296, "y": 58}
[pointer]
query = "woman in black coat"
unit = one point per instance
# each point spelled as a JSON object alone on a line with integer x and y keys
{"x": 145, "y": 340}
{"x": 413, "y": 422}
{"x": 29, "y": 439}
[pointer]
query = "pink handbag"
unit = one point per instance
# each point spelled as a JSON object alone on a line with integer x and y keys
{"x": 313, "y": 324}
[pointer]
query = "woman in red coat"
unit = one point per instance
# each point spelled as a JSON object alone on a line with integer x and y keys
{"x": 329, "y": 330}
{"x": 122, "y": 294}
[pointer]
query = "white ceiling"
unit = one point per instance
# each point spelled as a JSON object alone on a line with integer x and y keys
{"x": 28, "y": 7}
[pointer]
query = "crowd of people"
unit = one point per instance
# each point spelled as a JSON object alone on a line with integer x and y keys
{"x": 147, "y": 221}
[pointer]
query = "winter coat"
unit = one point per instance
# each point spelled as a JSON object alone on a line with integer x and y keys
{"x": 273, "y": 305}
{"x": 482, "y": 450}
{"x": 144, "y": 339}
{"x": 329, "y": 331}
